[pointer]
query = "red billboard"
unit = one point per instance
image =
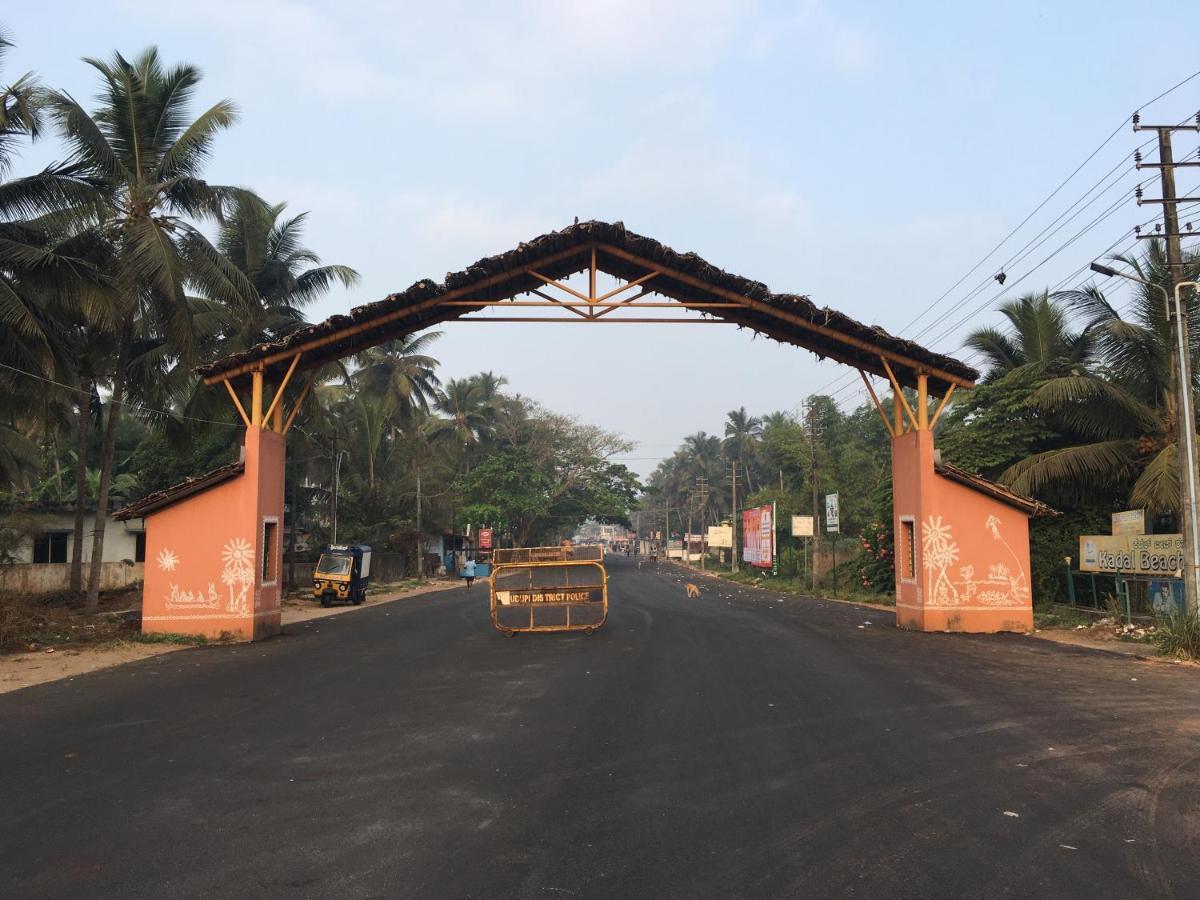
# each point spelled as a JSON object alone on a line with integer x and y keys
{"x": 485, "y": 539}
{"x": 758, "y": 536}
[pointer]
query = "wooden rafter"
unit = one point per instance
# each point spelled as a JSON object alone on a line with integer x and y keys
{"x": 567, "y": 304}
{"x": 768, "y": 318}
{"x": 596, "y": 319}
{"x": 282, "y": 385}
{"x": 626, "y": 286}
{"x": 236, "y": 402}
{"x": 558, "y": 284}
{"x": 629, "y": 301}
{"x": 789, "y": 317}
{"x": 299, "y": 402}
{"x": 941, "y": 406}
{"x": 875, "y": 401}
{"x": 359, "y": 327}
{"x": 899, "y": 392}
{"x": 571, "y": 306}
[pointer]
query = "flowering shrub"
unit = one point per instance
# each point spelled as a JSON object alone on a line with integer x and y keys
{"x": 878, "y": 569}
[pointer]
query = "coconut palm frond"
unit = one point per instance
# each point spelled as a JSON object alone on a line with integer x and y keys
{"x": 1094, "y": 407}
{"x": 1104, "y": 464}
{"x": 1157, "y": 488}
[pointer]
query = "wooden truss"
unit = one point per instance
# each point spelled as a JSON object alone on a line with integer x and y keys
{"x": 590, "y": 307}
{"x": 904, "y": 419}
{"x": 625, "y": 303}
{"x": 272, "y": 418}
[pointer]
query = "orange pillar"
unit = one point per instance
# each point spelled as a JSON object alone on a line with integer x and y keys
{"x": 962, "y": 554}
{"x": 213, "y": 556}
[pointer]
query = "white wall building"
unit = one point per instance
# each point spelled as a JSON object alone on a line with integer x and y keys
{"x": 42, "y": 560}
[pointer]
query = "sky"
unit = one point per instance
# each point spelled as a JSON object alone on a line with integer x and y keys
{"x": 868, "y": 155}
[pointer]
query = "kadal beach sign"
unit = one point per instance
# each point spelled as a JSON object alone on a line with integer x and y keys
{"x": 1131, "y": 554}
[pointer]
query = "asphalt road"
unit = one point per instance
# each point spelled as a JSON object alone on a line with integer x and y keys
{"x": 741, "y": 744}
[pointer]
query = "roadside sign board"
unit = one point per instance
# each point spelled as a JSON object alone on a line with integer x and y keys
{"x": 802, "y": 526}
{"x": 832, "y": 513}
{"x": 758, "y": 536}
{"x": 1131, "y": 521}
{"x": 720, "y": 536}
{"x": 1131, "y": 554}
{"x": 485, "y": 539}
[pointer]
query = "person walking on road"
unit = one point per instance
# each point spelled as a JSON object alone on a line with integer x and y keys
{"x": 468, "y": 572}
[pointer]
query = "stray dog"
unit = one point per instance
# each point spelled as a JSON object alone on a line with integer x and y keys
{"x": 692, "y": 590}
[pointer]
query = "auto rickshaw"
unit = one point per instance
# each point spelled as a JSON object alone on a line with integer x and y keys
{"x": 342, "y": 573}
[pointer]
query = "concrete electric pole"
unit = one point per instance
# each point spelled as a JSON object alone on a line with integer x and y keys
{"x": 1181, "y": 371}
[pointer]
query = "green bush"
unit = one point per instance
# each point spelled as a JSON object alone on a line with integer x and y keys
{"x": 1179, "y": 636}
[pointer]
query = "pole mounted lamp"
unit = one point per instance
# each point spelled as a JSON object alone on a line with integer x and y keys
{"x": 1187, "y": 414}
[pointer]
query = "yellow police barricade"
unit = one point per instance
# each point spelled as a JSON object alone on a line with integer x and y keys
{"x": 548, "y": 589}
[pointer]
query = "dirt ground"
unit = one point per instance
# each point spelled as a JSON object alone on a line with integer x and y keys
{"x": 41, "y": 664}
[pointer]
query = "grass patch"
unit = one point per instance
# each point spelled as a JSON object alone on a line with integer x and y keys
{"x": 1178, "y": 636}
{"x": 1052, "y": 615}
{"x": 165, "y": 637}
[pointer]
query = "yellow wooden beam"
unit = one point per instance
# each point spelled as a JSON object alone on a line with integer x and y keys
{"x": 282, "y": 386}
{"x": 922, "y": 401}
{"x": 899, "y": 391}
{"x": 941, "y": 406}
{"x": 256, "y": 397}
{"x": 878, "y": 405}
{"x": 559, "y": 285}
{"x": 299, "y": 402}
{"x": 236, "y": 402}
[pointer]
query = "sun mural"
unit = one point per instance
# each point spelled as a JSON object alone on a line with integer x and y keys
{"x": 167, "y": 560}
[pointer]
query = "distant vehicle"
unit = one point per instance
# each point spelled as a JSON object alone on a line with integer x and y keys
{"x": 342, "y": 573}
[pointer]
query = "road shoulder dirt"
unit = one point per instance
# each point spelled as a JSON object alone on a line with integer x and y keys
{"x": 26, "y": 669}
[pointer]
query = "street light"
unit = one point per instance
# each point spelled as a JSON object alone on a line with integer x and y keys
{"x": 1187, "y": 418}
{"x": 337, "y": 471}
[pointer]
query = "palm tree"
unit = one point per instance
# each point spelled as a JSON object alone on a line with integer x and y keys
{"x": 742, "y": 434}
{"x": 148, "y": 157}
{"x": 1120, "y": 417}
{"x": 470, "y": 405}
{"x": 401, "y": 373}
{"x": 1041, "y": 341}
{"x": 51, "y": 299}
{"x": 286, "y": 275}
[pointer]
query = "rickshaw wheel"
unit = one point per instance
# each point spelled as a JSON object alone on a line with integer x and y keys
{"x": 326, "y": 601}
{"x": 589, "y": 631}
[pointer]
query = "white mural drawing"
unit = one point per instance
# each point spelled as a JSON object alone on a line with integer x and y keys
{"x": 1002, "y": 586}
{"x": 238, "y": 574}
{"x": 178, "y": 598}
{"x": 181, "y": 599}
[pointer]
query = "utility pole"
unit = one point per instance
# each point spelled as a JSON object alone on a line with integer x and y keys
{"x": 733, "y": 480}
{"x": 687, "y": 536}
{"x": 703, "y": 480}
{"x": 1181, "y": 372}
{"x": 666, "y": 541}
{"x": 816, "y": 502}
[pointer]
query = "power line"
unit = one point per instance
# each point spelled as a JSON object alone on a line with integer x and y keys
{"x": 136, "y": 408}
